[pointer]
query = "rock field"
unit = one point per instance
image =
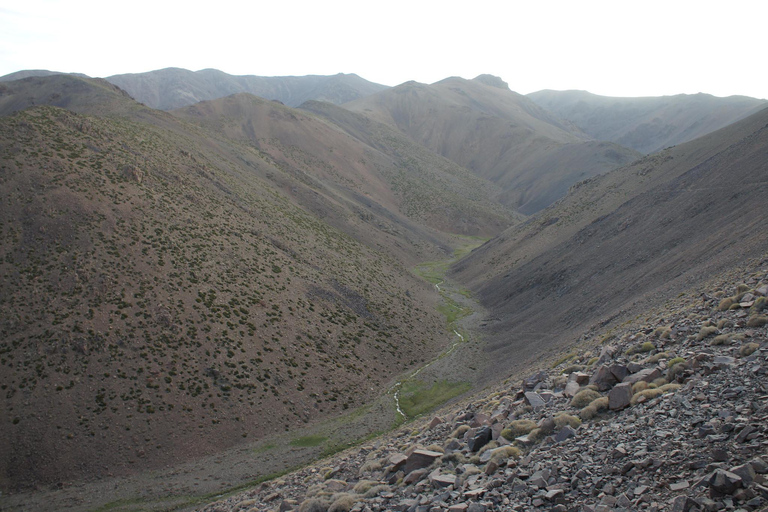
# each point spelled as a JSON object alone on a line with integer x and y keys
{"x": 672, "y": 416}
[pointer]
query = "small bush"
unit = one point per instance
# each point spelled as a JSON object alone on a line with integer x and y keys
{"x": 748, "y": 349}
{"x": 673, "y": 362}
{"x": 343, "y": 503}
{"x": 313, "y": 505}
{"x": 505, "y": 452}
{"x": 757, "y": 321}
{"x": 436, "y": 448}
{"x": 641, "y": 348}
{"x": 742, "y": 288}
{"x": 572, "y": 368}
{"x": 370, "y": 466}
{"x": 490, "y": 446}
{"x": 658, "y": 382}
{"x": 456, "y": 457}
{"x": 676, "y": 370}
{"x": 537, "y": 435}
{"x": 647, "y": 394}
{"x": 562, "y": 419}
{"x": 363, "y": 486}
{"x": 655, "y": 358}
{"x": 721, "y": 339}
{"x": 639, "y": 386}
{"x": 590, "y": 411}
{"x": 706, "y": 331}
{"x": 460, "y": 431}
{"x": 518, "y": 428}
{"x": 725, "y": 304}
{"x": 760, "y": 304}
{"x": 584, "y": 398}
{"x": 375, "y": 490}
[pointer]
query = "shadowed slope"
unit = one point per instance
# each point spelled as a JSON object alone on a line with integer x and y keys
{"x": 657, "y": 225}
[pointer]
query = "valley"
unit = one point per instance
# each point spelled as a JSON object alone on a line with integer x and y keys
{"x": 217, "y": 300}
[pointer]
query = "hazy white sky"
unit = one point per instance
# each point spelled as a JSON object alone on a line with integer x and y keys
{"x": 616, "y": 48}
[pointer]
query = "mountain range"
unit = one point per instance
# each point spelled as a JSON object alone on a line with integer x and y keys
{"x": 185, "y": 279}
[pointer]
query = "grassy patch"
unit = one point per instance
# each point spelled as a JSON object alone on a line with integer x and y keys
{"x": 418, "y": 397}
{"x": 308, "y": 441}
{"x": 264, "y": 448}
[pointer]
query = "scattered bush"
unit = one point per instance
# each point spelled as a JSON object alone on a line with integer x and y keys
{"x": 641, "y": 348}
{"x": 363, "y": 486}
{"x": 436, "y": 448}
{"x": 375, "y": 490}
{"x": 312, "y": 505}
{"x": 646, "y": 394}
{"x": 343, "y": 503}
{"x": 590, "y": 411}
{"x": 725, "y": 304}
{"x": 572, "y": 368}
{"x": 460, "y": 431}
{"x": 675, "y": 371}
{"x": 639, "y": 386}
{"x": 518, "y": 428}
{"x": 760, "y": 304}
{"x": 505, "y": 452}
{"x": 584, "y": 398}
{"x": 562, "y": 419}
{"x": 748, "y": 349}
{"x": 490, "y": 446}
{"x": 676, "y": 360}
{"x": 757, "y": 321}
{"x": 655, "y": 358}
{"x": 706, "y": 331}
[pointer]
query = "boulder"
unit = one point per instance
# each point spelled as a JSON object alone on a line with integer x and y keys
{"x": 420, "y": 459}
{"x": 723, "y": 483}
{"x": 620, "y": 396}
{"x": 480, "y": 439}
{"x": 647, "y": 374}
{"x": 530, "y": 383}
{"x": 534, "y": 400}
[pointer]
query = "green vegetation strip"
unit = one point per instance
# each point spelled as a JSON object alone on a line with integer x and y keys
{"x": 418, "y": 397}
{"x": 309, "y": 441}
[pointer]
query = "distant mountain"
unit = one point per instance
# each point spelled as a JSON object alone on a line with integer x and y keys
{"x": 647, "y": 124}
{"x": 529, "y": 153}
{"x": 170, "y": 88}
{"x": 654, "y": 228}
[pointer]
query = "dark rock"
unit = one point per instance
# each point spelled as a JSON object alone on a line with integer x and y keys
{"x": 723, "y": 483}
{"x": 530, "y": 383}
{"x": 421, "y": 459}
{"x": 565, "y": 433}
{"x": 480, "y": 439}
{"x": 534, "y": 400}
{"x": 619, "y": 396}
{"x": 647, "y": 375}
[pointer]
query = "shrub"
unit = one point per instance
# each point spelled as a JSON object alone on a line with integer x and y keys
{"x": 342, "y": 503}
{"x": 584, "y": 398}
{"x": 460, "y": 431}
{"x": 597, "y": 405}
{"x": 370, "y": 466}
{"x": 505, "y": 452}
{"x": 375, "y": 490}
{"x": 722, "y": 339}
{"x": 673, "y": 362}
{"x": 562, "y": 419}
{"x": 655, "y": 358}
{"x": 436, "y": 448}
{"x": 759, "y": 305}
{"x": 538, "y": 434}
{"x": 490, "y": 446}
{"x": 706, "y": 331}
{"x": 641, "y": 348}
{"x": 363, "y": 486}
{"x": 518, "y": 428}
{"x": 646, "y": 395}
{"x": 757, "y": 321}
{"x": 725, "y": 304}
{"x": 572, "y": 368}
{"x": 742, "y": 288}
{"x": 748, "y": 349}
{"x": 312, "y": 505}
{"x": 639, "y": 386}
{"x": 675, "y": 371}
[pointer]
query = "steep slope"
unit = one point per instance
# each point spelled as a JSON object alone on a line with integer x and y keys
{"x": 532, "y": 156}
{"x": 172, "y": 88}
{"x": 168, "y": 292}
{"x": 658, "y": 225}
{"x": 413, "y": 186}
{"x": 647, "y": 124}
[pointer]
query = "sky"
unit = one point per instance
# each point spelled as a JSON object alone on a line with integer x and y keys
{"x": 613, "y": 48}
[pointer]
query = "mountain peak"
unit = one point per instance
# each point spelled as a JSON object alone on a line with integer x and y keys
{"x": 492, "y": 80}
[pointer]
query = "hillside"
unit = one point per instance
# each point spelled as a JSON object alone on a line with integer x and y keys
{"x": 172, "y": 88}
{"x": 170, "y": 291}
{"x": 531, "y": 155}
{"x": 647, "y": 124}
{"x": 403, "y": 184}
{"x": 650, "y": 228}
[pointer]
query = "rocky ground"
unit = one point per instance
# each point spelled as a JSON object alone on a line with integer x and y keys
{"x": 669, "y": 415}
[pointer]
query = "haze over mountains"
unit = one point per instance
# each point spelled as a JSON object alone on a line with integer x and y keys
{"x": 647, "y": 124}
{"x": 177, "y": 281}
